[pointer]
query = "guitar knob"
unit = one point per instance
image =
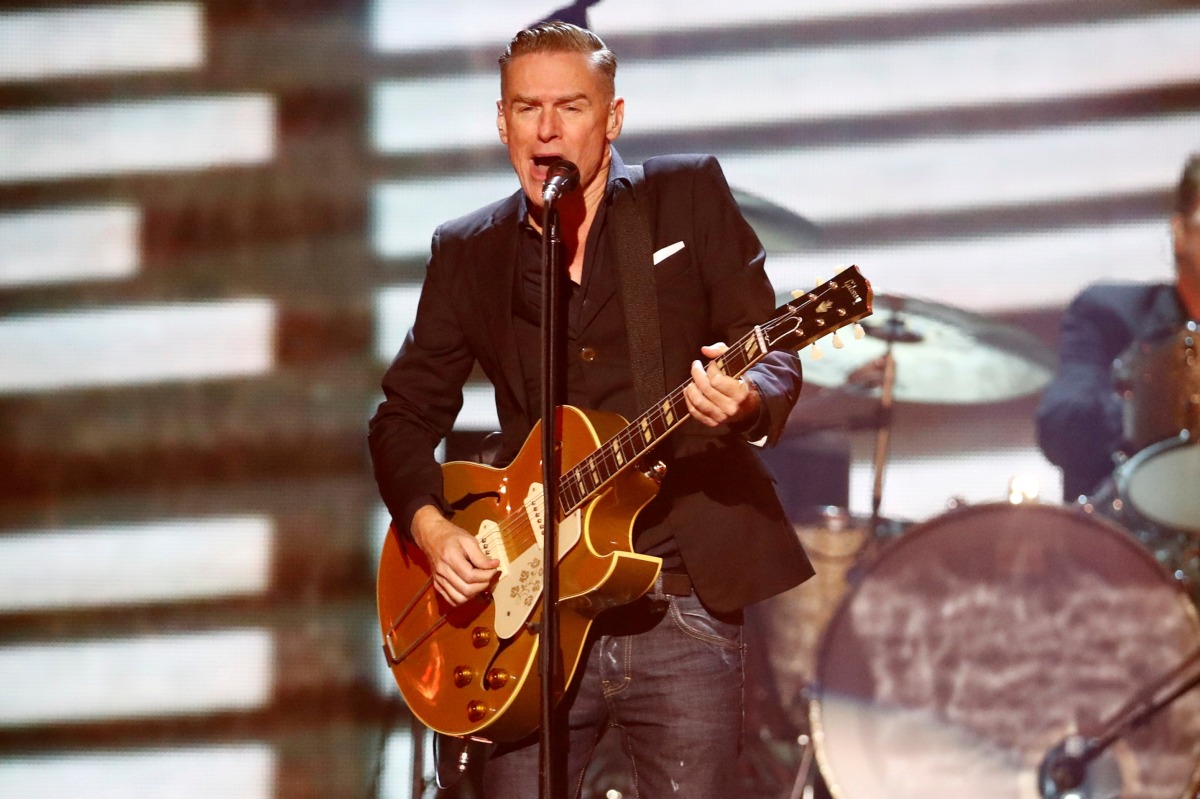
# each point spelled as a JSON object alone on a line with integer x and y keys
{"x": 481, "y": 637}
{"x": 476, "y": 710}
{"x": 463, "y": 676}
{"x": 496, "y": 678}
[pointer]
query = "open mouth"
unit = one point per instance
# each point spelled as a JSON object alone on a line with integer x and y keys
{"x": 541, "y": 163}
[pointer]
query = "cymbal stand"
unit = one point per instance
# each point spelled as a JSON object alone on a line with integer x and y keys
{"x": 1065, "y": 766}
{"x": 803, "y": 786}
{"x": 883, "y": 435}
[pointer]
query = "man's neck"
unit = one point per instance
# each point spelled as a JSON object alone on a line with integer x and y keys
{"x": 576, "y": 212}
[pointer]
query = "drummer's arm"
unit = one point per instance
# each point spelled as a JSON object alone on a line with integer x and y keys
{"x": 1079, "y": 419}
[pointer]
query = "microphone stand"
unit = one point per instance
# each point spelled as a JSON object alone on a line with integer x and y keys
{"x": 552, "y": 773}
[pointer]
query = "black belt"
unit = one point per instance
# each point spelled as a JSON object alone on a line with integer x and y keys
{"x": 673, "y": 584}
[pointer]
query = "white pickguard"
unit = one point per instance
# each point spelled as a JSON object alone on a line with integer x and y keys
{"x": 520, "y": 583}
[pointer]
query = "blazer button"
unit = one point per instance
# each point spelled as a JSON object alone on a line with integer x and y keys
{"x": 587, "y": 354}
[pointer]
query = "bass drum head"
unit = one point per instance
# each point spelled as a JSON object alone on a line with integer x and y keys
{"x": 980, "y": 639}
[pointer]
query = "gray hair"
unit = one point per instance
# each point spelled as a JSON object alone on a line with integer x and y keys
{"x": 561, "y": 37}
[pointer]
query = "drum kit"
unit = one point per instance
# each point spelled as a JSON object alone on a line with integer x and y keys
{"x": 1004, "y": 651}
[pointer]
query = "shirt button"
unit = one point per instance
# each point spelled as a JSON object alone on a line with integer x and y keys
{"x": 587, "y": 354}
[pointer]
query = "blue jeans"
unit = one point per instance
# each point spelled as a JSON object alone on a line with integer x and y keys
{"x": 666, "y": 676}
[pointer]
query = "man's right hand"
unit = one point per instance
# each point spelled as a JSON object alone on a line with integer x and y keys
{"x": 460, "y": 569}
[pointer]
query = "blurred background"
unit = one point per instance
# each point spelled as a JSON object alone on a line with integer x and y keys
{"x": 214, "y": 217}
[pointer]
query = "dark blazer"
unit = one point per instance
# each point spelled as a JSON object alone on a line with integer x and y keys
{"x": 717, "y": 500}
{"x": 1080, "y": 416}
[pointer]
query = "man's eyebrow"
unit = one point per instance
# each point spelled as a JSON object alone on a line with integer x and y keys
{"x": 570, "y": 98}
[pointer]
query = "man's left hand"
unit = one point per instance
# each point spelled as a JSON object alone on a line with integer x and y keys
{"x": 714, "y": 398}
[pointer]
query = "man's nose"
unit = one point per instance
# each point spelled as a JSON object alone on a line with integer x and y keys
{"x": 548, "y": 126}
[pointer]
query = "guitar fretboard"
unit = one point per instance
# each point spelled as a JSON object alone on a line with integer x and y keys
{"x": 588, "y": 476}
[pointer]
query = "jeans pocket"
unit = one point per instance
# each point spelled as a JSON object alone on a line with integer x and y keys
{"x": 693, "y": 619}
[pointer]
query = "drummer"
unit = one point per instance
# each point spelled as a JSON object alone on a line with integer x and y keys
{"x": 1080, "y": 418}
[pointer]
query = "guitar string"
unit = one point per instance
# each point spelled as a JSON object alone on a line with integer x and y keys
{"x": 515, "y": 532}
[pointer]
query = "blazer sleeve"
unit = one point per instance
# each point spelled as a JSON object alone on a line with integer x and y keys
{"x": 741, "y": 295}
{"x": 423, "y": 393}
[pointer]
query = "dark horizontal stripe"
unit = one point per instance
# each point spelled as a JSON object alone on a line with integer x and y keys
{"x": 303, "y": 422}
{"x": 998, "y": 220}
{"x": 858, "y": 130}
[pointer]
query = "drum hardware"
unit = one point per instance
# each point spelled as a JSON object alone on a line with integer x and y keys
{"x": 1177, "y": 552}
{"x": 802, "y": 788}
{"x": 1160, "y": 382}
{"x": 1074, "y": 769}
{"x": 895, "y": 331}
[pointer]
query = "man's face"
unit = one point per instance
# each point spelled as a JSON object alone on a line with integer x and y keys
{"x": 1186, "y": 232}
{"x": 557, "y": 105}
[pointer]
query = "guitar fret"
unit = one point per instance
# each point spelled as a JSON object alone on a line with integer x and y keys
{"x": 571, "y": 491}
{"x": 668, "y": 412}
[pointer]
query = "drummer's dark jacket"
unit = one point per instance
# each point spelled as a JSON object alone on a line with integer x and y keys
{"x": 717, "y": 501}
{"x": 1080, "y": 417}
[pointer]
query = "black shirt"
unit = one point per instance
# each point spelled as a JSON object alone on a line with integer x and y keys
{"x": 598, "y": 371}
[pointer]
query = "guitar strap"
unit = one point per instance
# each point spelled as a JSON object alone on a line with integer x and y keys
{"x": 639, "y": 294}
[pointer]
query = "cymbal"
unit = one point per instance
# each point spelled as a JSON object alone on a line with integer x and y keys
{"x": 779, "y": 229}
{"x": 942, "y": 355}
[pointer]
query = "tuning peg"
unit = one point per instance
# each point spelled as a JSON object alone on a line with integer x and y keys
{"x": 858, "y": 330}
{"x": 837, "y": 341}
{"x": 816, "y": 352}
{"x": 820, "y": 280}
{"x": 797, "y": 294}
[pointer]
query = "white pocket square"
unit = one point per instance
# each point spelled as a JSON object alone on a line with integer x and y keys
{"x": 667, "y": 252}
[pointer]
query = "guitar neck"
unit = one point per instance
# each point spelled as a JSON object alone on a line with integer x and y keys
{"x": 808, "y": 317}
{"x": 590, "y": 475}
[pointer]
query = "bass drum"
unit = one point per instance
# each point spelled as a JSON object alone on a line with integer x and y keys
{"x": 980, "y": 639}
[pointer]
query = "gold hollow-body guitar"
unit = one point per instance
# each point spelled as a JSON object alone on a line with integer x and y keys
{"x": 473, "y": 670}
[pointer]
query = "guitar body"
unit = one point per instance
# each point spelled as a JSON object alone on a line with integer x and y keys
{"x": 473, "y": 670}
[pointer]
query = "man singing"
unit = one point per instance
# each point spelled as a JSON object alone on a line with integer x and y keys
{"x": 666, "y": 671}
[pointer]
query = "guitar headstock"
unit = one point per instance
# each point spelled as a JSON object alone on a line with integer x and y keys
{"x": 815, "y": 314}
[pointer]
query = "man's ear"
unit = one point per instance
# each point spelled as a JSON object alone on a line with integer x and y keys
{"x": 616, "y": 118}
{"x": 501, "y": 122}
{"x": 1178, "y": 223}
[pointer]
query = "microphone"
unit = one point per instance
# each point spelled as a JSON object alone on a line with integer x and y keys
{"x": 562, "y": 177}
